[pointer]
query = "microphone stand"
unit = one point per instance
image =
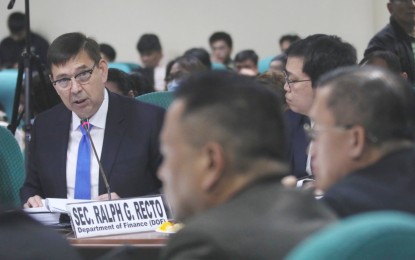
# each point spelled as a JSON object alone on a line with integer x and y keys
{"x": 85, "y": 125}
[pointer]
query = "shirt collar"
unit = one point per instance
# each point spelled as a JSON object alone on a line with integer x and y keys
{"x": 98, "y": 119}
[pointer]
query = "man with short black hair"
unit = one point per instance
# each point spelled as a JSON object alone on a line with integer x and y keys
{"x": 307, "y": 60}
{"x": 228, "y": 191}
{"x": 221, "y": 47}
{"x": 286, "y": 40}
{"x": 246, "y": 63}
{"x": 363, "y": 141}
{"x": 151, "y": 54}
{"x": 11, "y": 47}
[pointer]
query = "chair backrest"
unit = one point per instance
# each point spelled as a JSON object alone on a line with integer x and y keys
{"x": 263, "y": 64}
{"x": 161, "y": 99}
{"x": 376, "y": 235}
{"x": 218, "y": 66}
{"x": 12, "y": 173}
{"x": 8, "y": 80}
{"x": 127, "y": 67}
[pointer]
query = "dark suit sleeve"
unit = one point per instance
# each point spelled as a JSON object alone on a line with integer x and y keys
{"x": 188, "y": 244}
{"x": 32, "y": 184}
{"x": 155, "y": 155}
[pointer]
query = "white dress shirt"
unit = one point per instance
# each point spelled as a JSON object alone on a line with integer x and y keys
{"x": 97, "y": 133}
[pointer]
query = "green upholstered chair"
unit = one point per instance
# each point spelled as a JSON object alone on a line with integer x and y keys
{"x": 127, "y": 67}
{"x": 263, "y": 64}
{"x": 375, "y": 235}
{"x": 218, "y": 66}
{"x": 8, "y": 80}
{"x": 161, "y": 99}
{"x": 12, "y": 173}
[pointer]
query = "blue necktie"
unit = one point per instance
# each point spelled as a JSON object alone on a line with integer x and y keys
{"x": 83, "y": 167}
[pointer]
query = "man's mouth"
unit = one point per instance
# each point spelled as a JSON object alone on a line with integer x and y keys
{"x": 80, "y": 101}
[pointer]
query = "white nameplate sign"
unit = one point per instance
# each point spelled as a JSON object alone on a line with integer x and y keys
{"x": 101, "y": 218}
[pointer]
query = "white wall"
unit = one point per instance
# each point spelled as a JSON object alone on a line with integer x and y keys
{"x": 182, "y": 24}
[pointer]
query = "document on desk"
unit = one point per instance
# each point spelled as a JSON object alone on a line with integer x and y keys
{"x": 53, "y": 205}
{"x": 51, "y": 210}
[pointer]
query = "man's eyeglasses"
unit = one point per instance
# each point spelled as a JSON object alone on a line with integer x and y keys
{"x": 291, "y": 82}
{"x": 82, "y": 78}
{"x": 312, "y": 132}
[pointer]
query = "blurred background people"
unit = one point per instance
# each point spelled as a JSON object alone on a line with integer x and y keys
{"x": 108, "y": 53}
{"x": 221, "y": 48}
{"x": 246, "y": 63}
{"x": 151, "y": 54}
{"x": 12, "y": 47}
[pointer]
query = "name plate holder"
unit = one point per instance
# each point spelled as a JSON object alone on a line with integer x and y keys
{"x": 114, "y": 217}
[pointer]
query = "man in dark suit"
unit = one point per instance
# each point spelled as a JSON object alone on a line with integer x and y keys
{"x": 230, "y": 132}
{"x": 124, "y": 131}
{"x": 363, "y": 141}
{"x": 307, "y": 60}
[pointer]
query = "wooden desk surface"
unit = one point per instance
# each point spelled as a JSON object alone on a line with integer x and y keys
{"x": 142, "y": 239}
{"x": 144, "y": 245}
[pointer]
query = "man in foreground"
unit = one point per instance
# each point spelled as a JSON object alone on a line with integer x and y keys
{"x": 124, "y": 131}
{"x": 363, "y": 141}
{"x": 223, "y": 146}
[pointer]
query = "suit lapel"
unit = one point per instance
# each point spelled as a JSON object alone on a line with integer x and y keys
{"x": 115, "y": 127}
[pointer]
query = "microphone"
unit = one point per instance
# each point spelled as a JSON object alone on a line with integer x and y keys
{"x": 85, "y": 125}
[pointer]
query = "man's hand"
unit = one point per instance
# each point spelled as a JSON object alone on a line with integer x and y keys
{"x": 33, "y": 202}
{"x": 105, "y": 196}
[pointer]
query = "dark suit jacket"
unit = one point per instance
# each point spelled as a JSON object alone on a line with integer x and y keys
{"x": 263, "y": 221}
{"x": 23, "y": 238}
{"x": 394, "y": 39}
{"x": 388, "y": 184}
{"x": 130, "y": 153}
{"x": 297, "y": 142}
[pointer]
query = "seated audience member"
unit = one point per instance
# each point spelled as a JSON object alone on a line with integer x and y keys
{"x": 384, "y": 59}
{"x": 307, "y": 60}
{"x": 398, "y": 36}
{"x": 228, "y": 193}
{"x": 125, "y": 132}
{"x": 286, "y": 40}
{"x": 108, "y": 53}
{"x": 182, "y": 68}
{"x": 119, "y": 82}
{"x": 277, "y": 64}
{"x": 24, "y": 238}
{"x": 43, "y": 95}
{"x": 12, "y": 47}
{"x": 246, "y": 63}
{"x": 151, "y": 54}
{"x": 140, "y": 83}
{"x": 363, "y": 148}
{"x": 201, "y": 54}
{"x": 221, "y": 48}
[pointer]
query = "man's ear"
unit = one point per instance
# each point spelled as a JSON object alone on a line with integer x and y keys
{"x": 214, "y": 165}
{"x": 103, "y": 68}
{"x": 357, "y": 141}
{"x": 390, "y": 7}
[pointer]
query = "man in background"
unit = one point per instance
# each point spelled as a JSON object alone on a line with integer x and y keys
{"x": 398, "y": 36}
{"x": 12, "y": 47}
{"x": 228, "y": 193}
{"x": 221, "y": 48}
{"x": 307, "y": 60}
{"x": 363, "y": 141}
{"x": 246, "y": 63}
{"x": 286, "y": 40}
{"x": 151, "y": 54}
